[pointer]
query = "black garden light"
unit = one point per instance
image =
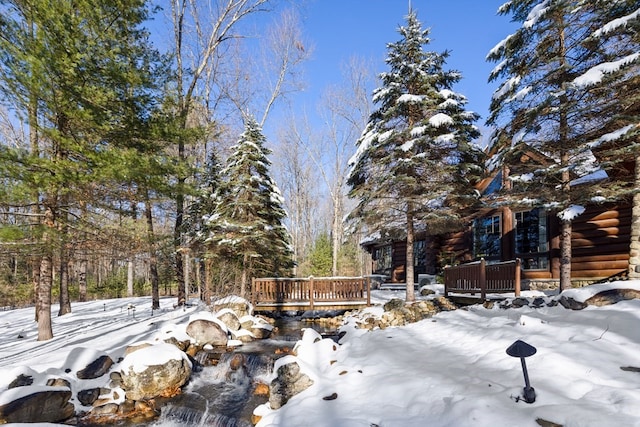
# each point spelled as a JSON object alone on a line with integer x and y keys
{"x": 522, "y": 350}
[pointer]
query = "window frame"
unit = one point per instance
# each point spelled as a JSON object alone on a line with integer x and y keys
{"x": 487, "y": 245}
{"x": 383, "y": 258}
{"x": 539, "y": 259}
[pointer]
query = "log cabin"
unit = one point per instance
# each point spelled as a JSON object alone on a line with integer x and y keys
{"x": 600, "y": 241}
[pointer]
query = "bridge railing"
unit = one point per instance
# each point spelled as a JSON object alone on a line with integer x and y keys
{"x": 312, "y": 290}
{"x": 480, "y": 277}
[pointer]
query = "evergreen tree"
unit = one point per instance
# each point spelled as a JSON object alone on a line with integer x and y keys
{"x": 614, "y": 85}
{"x": 81, "y": 73}
{"x": 320, "y": 257}
{"x": 247, "y": 224}
{"x": 415, "y": 152}
{"x": 556, "y": 97}
{"x": 203, "y": 206}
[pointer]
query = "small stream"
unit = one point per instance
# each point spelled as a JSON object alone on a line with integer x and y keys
{"x": 221, "y": 392}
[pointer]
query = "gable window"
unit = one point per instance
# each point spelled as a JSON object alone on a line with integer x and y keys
{"x": 531, "y": 239}
{"x": 495, "y": 185}
{"x": 486, "y": 237}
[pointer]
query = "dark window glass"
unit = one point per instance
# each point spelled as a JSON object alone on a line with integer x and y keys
{"x": 495, "y": 185}
{"x": 382, "y": 257}
{"x": 531, "y": 239}
{"x": 419, "y": 253}
{"x": 486, "y": 237}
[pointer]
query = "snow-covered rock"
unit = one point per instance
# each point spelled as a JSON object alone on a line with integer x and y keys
{"x": 158, "y": 370}
{"x": 204, "y": 332}
{"x": 35, "y": 404}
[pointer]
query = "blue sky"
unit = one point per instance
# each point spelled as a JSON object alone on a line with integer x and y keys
{"x": 340, "y": 29}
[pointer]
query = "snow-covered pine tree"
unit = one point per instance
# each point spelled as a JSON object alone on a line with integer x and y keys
{"x": 410, "y": 157}
{"x": 195, "y": 222}
{"x": 615, "y": 85}
{"x": 247, "y": 223}
{"x": 543, "y": 102}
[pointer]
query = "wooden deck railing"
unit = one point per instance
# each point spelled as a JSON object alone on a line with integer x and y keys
{"x": 483, "y": 278}
{"x": 312, "y": 290}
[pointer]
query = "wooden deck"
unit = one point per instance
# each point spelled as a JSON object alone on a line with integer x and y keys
{"x": 481, "y": 278}
{"x": 312, "y": 293}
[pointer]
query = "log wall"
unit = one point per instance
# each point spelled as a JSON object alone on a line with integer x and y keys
{"x": 600, "y": 241}
{"x": 600, "y": 244}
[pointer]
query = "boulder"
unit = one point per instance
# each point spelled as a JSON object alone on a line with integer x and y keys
{"x": 88, "y": 396}
{"x": 444, "y": 304}
{"x": 230, "y": 319}
{"x": 182, "y": 345}
{"x": 135, "y": 347}
{"x": 426, "y": 291}
{"x": 261, "y": 331}
{"x": 58, "y": 382}
{"x": 96, "y": 368}
{"x": 20, "y": 376}
{"x": 289, "y": 381}
{"x": 612, "y": 296}
{"x": 21, "y": 381}
{"x": 240, "y": 306}
{"x": 242, "y": 335}
{"x": 207, "y": 332}
{"x": 143, "y": 380}
{"x": 571, "y": 304}
{"x": 37, "y": 404}
{"x": 519, "y": 302}
{"x": 393, "y": 304}
{"x": 259, "y": 327}
{"x": 87, "y": 363}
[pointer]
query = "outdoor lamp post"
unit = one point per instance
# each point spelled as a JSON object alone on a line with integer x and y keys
{"x": 522, "y": 350}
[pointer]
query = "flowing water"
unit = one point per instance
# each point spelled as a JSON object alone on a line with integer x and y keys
{"x": 221, "y": 392}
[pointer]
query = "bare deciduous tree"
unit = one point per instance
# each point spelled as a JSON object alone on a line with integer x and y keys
{"x": 214, "y": 51}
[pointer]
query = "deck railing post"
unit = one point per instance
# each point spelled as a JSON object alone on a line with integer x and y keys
{"x": 483, "y": 279}
{"x": 253, "y": 291}
{"x": 517, "y": 277}
{"x": 446, "y": 281}
{"x": 367, "y": 283}
{"x": 311, "y": 292}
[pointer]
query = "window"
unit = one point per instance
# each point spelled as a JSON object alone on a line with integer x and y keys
{"x": 382, "y": 260}
{"x": 486, "y": 237}
{"x": 419, "y": 253}
{"x": 531, "y": 240}
{"x": 495, "y": 185}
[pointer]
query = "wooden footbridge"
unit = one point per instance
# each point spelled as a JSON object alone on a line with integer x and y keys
{"x": 312, "y": 293}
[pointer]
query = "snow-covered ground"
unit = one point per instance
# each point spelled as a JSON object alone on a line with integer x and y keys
{"x": 449, "y": 370}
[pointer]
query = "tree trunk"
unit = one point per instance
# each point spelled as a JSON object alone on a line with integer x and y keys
{"x": 34, "y": 147}
{"x": 187, "y": 278}
{"x": 634, "y": 248}
{"x": 408, "y": 268}
{"x": 565, "y": 255}
{"x": 65, "y": 302}
{"x": 243, "y": 275}
{"x": 198, "y": 272}
{"x": 82, "y": 278}
{"x": 565, "y": 163}
{"x": 178, "y": 233}
{"x": 130, "y": 277}
{"x": 336, "y": 230}
{"x": 153, "y": 257}
{"x": 206, "y": 291}
{"x": 45, "y": 331}
{"x": 43, "y": 295}
{"x": 36, "y": 263}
